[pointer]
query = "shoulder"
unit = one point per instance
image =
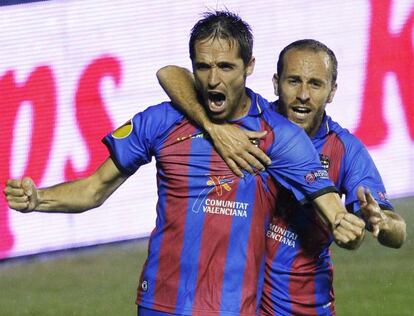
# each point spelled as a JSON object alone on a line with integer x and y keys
{"x": 349, "y": 140}
{"x": 280, "y": 124}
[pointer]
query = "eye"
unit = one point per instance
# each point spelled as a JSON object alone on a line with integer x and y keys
{"x": 293, "y": 81}
{"x": 316, "y": 84}
{"x": 226, "y": 66}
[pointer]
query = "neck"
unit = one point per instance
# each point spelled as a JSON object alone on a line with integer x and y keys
{"x": 243, "y": 108}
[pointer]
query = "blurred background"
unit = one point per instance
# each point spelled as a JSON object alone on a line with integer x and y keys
{"x": 71, "y": 71}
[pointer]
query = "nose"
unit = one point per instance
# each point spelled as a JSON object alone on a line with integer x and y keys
{"x": 213, "y": 78}
{"x": 303, "y": 94}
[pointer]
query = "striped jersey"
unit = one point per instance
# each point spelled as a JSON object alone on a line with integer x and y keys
{"x": 298, "y": 274}
{"x": 206, "y": 253}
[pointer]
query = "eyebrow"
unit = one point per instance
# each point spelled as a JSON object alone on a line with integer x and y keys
{"x": 313, "y": 79}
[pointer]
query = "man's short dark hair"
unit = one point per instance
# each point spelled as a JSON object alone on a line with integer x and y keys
{"x": 224, "y": 25}
{"x": 312, "y": 45}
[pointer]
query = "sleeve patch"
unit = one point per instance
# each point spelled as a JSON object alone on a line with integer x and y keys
{"x": 123, "y": 131}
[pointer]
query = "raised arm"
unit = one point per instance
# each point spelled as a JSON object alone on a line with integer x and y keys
{"x": 233, "y": 144}
{"x": 387, "y": 226}
{"x": 69, "y": 197}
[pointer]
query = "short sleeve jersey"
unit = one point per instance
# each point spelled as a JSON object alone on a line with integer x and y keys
{"x": 206, "y": 252}
{"x": 298, "y": 264}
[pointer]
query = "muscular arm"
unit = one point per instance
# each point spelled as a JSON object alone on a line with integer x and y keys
{"x": 232, "y": 144}
{"x": 387, "y": 226}
{"x": 71, "y": 197}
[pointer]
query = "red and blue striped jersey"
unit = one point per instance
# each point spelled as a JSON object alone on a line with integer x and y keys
{"x": 206, "y": 252}
{"x": 299, "y": 272}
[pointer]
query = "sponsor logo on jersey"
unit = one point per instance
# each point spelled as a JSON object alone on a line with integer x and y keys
{"x": 315, "y": 175}
{"x": 215, "y": 204}
{"x": 282, "y": 235}
{"x": 383, "y": 196}
{"x": 195, "y": 135}
{"x": 123, "y": 131}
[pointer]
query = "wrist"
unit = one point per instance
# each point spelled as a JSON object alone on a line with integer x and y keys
{"x": 207, "y": 126}
{"x": 38, "y": 198}
{"x": 384, "y": 225}
{"x": 210, "y": 128}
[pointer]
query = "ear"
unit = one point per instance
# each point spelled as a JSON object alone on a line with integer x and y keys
{"x": 275, "y": 81}
{"x": 332, "y": 93}
{"x": 250, "y": 66}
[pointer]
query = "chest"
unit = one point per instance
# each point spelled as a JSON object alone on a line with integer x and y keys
{"x": 331, "y": 154}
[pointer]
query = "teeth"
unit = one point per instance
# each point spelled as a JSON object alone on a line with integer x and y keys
{"x": 301, "y": 110}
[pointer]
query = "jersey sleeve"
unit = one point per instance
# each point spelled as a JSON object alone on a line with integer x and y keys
{"x": 134, "y": 143}
{"x": 296, "y": 165}
{"x": 360, "y": 170}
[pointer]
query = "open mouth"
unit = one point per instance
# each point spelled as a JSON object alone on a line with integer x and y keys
{"x": 300, "y": 112}
{"x": 216, "y": 101}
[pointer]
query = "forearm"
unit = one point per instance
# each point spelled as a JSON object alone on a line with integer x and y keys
{"x": 329, "y": 206}
{"x": 83, "y": 194}
{"x": 71, "y": 197}
{"x": 393, "y": 231}
{"x": 178, "y": 84}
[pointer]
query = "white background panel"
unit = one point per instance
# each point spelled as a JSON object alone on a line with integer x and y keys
{"x": 139, "y": 37}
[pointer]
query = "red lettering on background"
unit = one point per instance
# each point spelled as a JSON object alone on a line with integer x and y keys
{"x": 93, "y": 119}
{"x": 386, "y": 53}
{"x": 40, "y": 91}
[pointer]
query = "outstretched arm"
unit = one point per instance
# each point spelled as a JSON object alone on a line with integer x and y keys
{"x": 233, "y": 144}
{"x": 69, "y": 197}
{"x": 387, "y": 226}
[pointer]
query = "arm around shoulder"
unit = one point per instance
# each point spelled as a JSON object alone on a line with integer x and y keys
{"x": 232, "y": 144}
{"x": 178, "y": 83}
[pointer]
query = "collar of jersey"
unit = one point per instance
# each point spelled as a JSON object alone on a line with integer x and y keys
{"x": 325, "y": 128}
{"x": 258, "y": 103}
{"x": 257, "y": 106}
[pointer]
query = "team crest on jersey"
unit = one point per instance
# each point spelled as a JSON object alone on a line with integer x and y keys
{"x": 123, "y": 131}
{"x": 325, "y": 161}
{"x": 312, "y": 176}
{"x": 214, "y": 203}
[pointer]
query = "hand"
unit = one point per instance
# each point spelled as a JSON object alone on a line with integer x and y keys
{"x": 371, "y": 211}
{"x": 235, "y": 146}
{"x": 348, "y": 230}
{"x": 21, "y": 195}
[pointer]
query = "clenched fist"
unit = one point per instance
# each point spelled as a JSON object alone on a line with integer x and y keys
{"x": 21, "y": 195}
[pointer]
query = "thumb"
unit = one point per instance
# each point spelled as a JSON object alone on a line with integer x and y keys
{"x": 375, "y": 230}
{"x": 28, "y": 186}
{"x": 254, "y": 134}
{"x": 361, "y": 196}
